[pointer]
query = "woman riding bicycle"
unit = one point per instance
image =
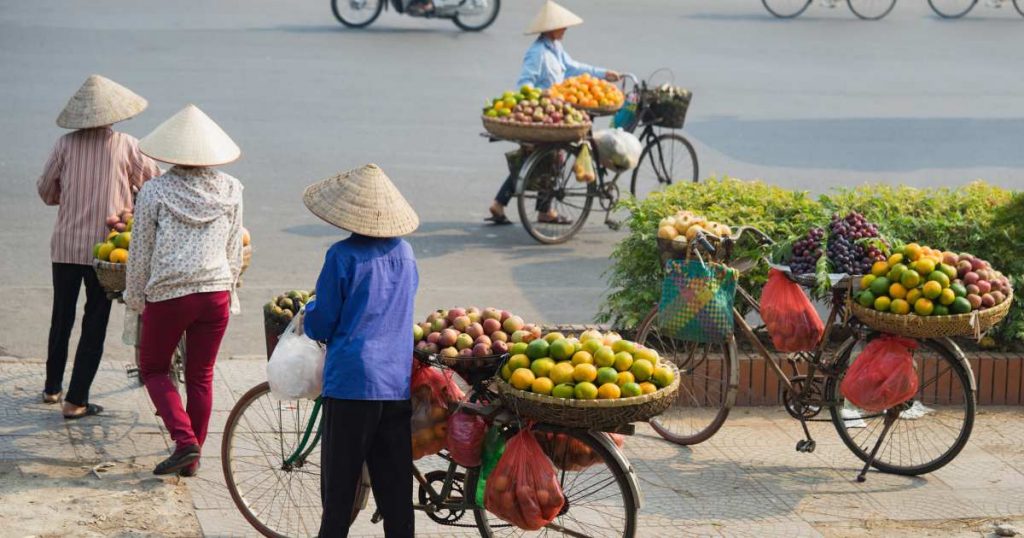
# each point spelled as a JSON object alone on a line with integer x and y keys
{"x": 546, "y": 63}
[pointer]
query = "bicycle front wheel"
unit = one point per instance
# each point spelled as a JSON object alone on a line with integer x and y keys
{"x": 279, "y": 499}
{"x": 598, "y": 498}
{"x": 1020, "y": 8}
{"x": 357, "y": 13}
{"x": 786, "y": 9}
{"x": 871, "y": 10}
{"x": 667, "y": 159}
{"x": 932, "y": 427}
{"x": 547, "y": 188}
{"x": 709, "y": 377}
{"x": 952, "y": 9}
{"x": 477, "y": 15}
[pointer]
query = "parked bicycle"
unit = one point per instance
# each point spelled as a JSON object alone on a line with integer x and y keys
{"x": 954, "y": 9}
{"x": 546, "y": 175}
{"x": 469, "y": 15}
{"x": 916, "y": 437}
{"x": 869, "y": 10}
{"x": 177, "y": 371}
{"x": 271, "y": 463}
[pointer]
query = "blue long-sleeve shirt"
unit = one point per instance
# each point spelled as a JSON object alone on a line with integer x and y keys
{"x": 546, "y": 63}
{"x": 363, "y": 309}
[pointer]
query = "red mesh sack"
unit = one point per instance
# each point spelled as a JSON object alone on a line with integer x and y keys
{"x": 883, "y": 375}
{"x": 523, "y": 489}
{"x": 466, "y": 438}
{"x": 792, "y": 321}
{"x": 432, "y": 391}
{"x": 568, "y": 453}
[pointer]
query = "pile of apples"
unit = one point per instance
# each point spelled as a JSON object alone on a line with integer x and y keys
{"x": 472, "y": 332}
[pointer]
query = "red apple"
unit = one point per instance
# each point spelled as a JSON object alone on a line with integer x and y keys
{"x": 499, "y": 336}
{"x": 491, "y": 325}
{"x": 481, "y": 350}
{"x": 434, "y": 337}
{"x": 448, "y": 338}
{"x": 461, "y": 323}
{"x": 474, "y": 330}
{"x": 513, "y": 324}
{"x": 486, "y": 340}
{"x": 505, "y": 314}
{"x": 499, "y": 347}
{"x": 454, "y": 313}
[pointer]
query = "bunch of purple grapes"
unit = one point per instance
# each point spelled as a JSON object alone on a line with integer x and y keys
{"x": 806, "y": 252}
{"x": 844, "y": 252}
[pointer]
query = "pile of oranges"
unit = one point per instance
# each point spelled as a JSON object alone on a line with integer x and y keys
{"x": 588, "y": 92}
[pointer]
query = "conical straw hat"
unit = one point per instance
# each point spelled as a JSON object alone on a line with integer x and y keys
{"x": 552, "y": 17}
{"x": 100, "y": 101}
{"x": 190, "y": 138}
{"x": 363, "y": 201}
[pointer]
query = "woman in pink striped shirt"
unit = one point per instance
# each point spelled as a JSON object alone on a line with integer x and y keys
{"x": 90, "y": 175}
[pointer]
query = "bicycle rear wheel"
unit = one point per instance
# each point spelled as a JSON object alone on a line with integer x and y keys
{"x": 478, "y": 16}
{"x": 547, "y": 182}
{"x": 931, "y": 430}
{"x": 668, "y": 158}
{"x": 709, "y": 376}
{"x": 952, "y": 9}
{"x": 871, "y": 10}
{"x": 598, "y": 498}
{"x": 786, "y": 9}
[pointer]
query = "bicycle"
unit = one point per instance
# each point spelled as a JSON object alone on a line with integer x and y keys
{"x": 270, "y": 455}
{"x": 178, "y": 358}
{"x": 546, "y": 176}
{"x": 939, "y": 418}
{"x": 954, "y": 9}
{"x": 869, "y": 10}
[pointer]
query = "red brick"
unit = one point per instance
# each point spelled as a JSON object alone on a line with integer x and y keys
{"x": 771, "y": 385}
{"x": 999, "y": 381}
{"x": 985, "y": 387}
{"x": 1013, "y": 380}
{"x": 757, "y": 395}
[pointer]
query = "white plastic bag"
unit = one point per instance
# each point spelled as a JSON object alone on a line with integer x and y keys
{"x": 296, "y": 368}
{"x": 618, "y": 149}
{"x": 130, "y": 333}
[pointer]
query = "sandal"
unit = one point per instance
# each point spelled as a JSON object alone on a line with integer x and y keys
{"x": 52, "y": 398}
{"x": 498, "y": 220}
{"x": 558, "y": 219}
{"x": 90, "y": 410}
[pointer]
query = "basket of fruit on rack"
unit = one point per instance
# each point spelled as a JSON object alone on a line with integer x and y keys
{"x": 597, "y": 381}
{"x": 471, "y": 342}
{"x": 925, "y": 293}
{"x": 532, "y": 115}
{"x": 676, "y": 232}
{"x": 589, "y": 93}
{"x": 279, "y": 312}
{"x": 110, "y": 257}
{"x": 667, "y": 105}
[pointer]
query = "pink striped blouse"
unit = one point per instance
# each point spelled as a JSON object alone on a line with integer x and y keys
{"x": 90, "y": 176}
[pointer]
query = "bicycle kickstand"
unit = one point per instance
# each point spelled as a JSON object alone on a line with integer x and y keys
{"x": 890, "y": 419}
{"x": 806, "y": 445}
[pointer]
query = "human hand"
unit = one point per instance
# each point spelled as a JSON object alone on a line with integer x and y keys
{"x": 612, "y": 76}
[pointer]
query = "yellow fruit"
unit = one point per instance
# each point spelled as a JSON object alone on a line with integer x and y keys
{"x": 122, "y": 240}
{"x": 584, "y": 372}
{"x": 518, "y": 361}
{"x": 931, "y": 289}
{"x": 882, "y": 304}
{"x": 631, "y": 389}
{"x": 582, "y": 357}
{"x": 866, "y": 280}
{"x": 663, "y": 377}
{"x": 912, "y": 252}
{"x": 924, "y": 307}
{"x": 605, "y": 355}
{"x": 913, "y": 295}
{"x": 910, "y": 279}
{"x": 647, "y": 387}
{"x": 542, "y": 385}
{"x": 625, "y": 377}
{"x": 947, "y": 297}
{"x": 585, "y": 391}
{"x": 112, "y": 235}
{"x": 895, "y": 258}
{"x": 609, "y": 391}
{"x": 899, "y": 306}
{"x": 646, "y": 354}
{"x": 924, "y": 266}
{"x": 897, "y": 291}
{"x": 522, "y": 379}
{"x": 642, "y": 370}
{"x": 623, "y": 345}
{"x": 562, "y": 373}
{"x": 103, "y": 253}
{"x": 118, "y": 255}
{"x": 879, "y": 268}
{"x": 542, "y": 367}
{"x": 506, "y": 372}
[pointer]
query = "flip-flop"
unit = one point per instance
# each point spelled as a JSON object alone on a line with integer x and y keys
{"x": 498, "y": 220}
{"x": 51, "y": 398}
{"x": 90, "y": 410}
{"x": 557, "y": 220}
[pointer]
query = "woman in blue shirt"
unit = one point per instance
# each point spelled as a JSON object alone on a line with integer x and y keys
{"x": 364, "y": 310}
{"x": 546, "y": 63}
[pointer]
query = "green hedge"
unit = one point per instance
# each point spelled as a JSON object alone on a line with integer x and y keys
{"x": 980, "y": 218}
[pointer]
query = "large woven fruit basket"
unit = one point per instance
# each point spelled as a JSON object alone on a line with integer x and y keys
{"x": 532, "y": 132}
{"x": 589, "y": 414}
{"x": 973, "y": 324}
{"x": 111, "y": 275}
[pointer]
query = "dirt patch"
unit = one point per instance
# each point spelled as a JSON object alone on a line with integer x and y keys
{"x": 946, "y": 528}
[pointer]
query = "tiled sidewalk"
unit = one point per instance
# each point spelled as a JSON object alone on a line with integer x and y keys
{"x": 746, "y": 481}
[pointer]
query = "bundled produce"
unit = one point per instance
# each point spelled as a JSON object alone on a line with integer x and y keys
{"x": 570, "y": 454}
{"x": 471, "y": 332}
{"x": 619, "y": 150}
{"x": 531, "y": 106}
{"x": 114, "y": 248}
{"x": 284, "y": 307}
{"x": 594, "y": 366}
{"x": 584, "y": 167}
{"x": 851, "y": 246}
{"x": 791, "y": 319}
{"x": 668, "y": 105}
{"x": 883, "y": 375}
{"x": 588, "y": 91}
{"x": 684, "y": 226}
{"x": 924, "y": 281}
{"x": 523, "y": 489}
{"x": 432, "y": 392}
{"x": 465, "y": 441}
{"x": 806, "y": 252}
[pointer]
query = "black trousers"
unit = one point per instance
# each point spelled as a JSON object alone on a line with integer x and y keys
{"x": 67, "y": 281}
{"x": 379, "y": 434}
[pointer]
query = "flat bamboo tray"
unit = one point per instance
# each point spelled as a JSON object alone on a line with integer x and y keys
{"x": 973, "y": 324}
{"x": 532, "y": 132}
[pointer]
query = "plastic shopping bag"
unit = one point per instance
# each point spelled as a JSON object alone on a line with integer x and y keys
{"x": 296, "y": 368}
{"x": 466, "y": 438}
{"x": 570, "y": 454}
{"x": 494, "y": 447}
{"x": 697, "y": 300}
{"x": 524, "y": 488}
{"x": 130, "y": 333}
{"x": 619, "y": 150}
{"x": 584, "y": 167}
{"x": 791, "y": 319}
{"x": 883, "y": 375}
{"x": 432, "y": 391}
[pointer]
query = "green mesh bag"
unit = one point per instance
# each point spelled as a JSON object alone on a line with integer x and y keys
{"x": 697, "y": 300}
{"x": 494, "y": 447}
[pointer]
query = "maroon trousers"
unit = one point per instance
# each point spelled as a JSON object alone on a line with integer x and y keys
{"x": 202, "y": 318}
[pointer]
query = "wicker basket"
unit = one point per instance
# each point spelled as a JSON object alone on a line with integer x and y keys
{"x": 530, "y": 132}
{"x": 663, "y": 111}
{"x": 589, "y": 414}
{"x": 111, "y": 275}
{"x": 601, "y": 111}
{"x": 973, "y": 324}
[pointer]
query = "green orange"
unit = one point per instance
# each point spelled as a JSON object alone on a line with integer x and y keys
{"x": 924, "y": 307}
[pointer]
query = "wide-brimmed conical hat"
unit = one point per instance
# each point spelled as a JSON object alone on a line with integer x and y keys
{"x": 552, "y": 17}
{"x": 190, "y": 138}
{"x": 363, "y": 201}
{"x": 100, "y": 101}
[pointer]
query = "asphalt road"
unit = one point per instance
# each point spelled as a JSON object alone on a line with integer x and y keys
{"x": 814, "y": 103}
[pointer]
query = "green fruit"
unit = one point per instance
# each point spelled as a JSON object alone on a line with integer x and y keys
{"x": 940, "y": 310}
{"x": 631, "y": 389}
{"x": 866, "y": 299}
{"x": 560, "y": 349}
{"x": 607, "y": 375}
{"x": 940, "y": 277}
{"x": 896, "y": 272}
{"x": 541, "y": 367}
{"x": 880, "y": 286}
{"x": 948, "y": 270}
{"x": 960, "y": 306}
{"x": 537, "y": 349}
{"x": 959, "y": 289}
{"x": 565, "y": 390}
{"x": 518, "y": 348}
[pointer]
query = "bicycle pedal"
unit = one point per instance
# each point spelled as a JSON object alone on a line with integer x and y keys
{"x": 806, "y": 446}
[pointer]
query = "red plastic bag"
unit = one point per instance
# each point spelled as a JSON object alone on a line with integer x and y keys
{"x": 523, "y": 489}
{"x": 432, "y": 391}
{"x": 792, "y": 321}
{"x": 466, "y": 438}
{"x": 570, "y": 454}
{"x": 883, "y": 375}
